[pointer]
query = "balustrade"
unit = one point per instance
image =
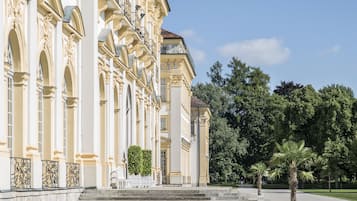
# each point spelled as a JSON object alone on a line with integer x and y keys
{"x": 50, "y": 174}
{"x": 73, "y": 173}
{"x": 20, "y": 171}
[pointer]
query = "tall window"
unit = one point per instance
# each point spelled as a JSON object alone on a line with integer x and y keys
{"x": 10, "y": 101}
{"x": 163, "y": 90}
{"x": 65, "y": 117}
{"x": 40, "y": 109}
{"x": 164, "y": 124}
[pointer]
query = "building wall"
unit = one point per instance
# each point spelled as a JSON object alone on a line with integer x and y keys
{"x": 200, "y": 118}
{"x": 176, "y": 72}
{"x": 80, "y": 81}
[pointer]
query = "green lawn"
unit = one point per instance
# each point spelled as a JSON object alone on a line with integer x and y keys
{"x": 347, "y": 194}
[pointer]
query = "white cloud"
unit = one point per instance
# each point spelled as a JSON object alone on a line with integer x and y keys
{"x": 198, "y": 55}
{"x": 191, "y": 34}
{"x": 332, "y": 50}
{"x": 188, "y": 33}
{"x": 261, "y": 51}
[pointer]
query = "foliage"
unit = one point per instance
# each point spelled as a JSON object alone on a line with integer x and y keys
{"x": 135, "y": 158}
{"x": 224, "y": 146}
{"x": 248, "y": 119}
{"x": 146, "y": 167}
{"x": 286, "y": 88}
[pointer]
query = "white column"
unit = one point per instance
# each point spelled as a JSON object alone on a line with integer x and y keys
{"x": 133, "y": 116}
{"x": 175, "y": 135}
{"x": 78, "y": 145}
{"x": 33, "y": 63}
{"x": 122, "y": 126}
{"x": 157, "y": 140}
{"x": 90, "y": 96}
{"x": 2, "y": 91}
{"x": 59, "y": 71}
{"x": 4, "y": 154}
{"x": 151, "y": 126}
{"x": 110, "y": 111}
{"x": 142, "y": 121}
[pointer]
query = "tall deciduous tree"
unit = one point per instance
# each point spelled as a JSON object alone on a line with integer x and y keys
{"x": 286, "y": 88}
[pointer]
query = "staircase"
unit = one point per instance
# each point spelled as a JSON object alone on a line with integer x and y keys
{"x": 164, "y": 194}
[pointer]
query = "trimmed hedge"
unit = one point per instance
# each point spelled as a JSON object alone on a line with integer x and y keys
{"x": 146, "y": 170}
{"x": 135, "y": 160}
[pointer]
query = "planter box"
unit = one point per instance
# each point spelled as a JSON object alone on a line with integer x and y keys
{"x": 137, "y": 181}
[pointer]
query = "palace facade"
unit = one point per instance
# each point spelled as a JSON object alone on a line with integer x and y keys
{"x": 184, "y": 119}
{"x": 80, "y": 85}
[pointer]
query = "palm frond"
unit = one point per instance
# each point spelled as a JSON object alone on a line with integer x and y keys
{"x": 306, "y": 175}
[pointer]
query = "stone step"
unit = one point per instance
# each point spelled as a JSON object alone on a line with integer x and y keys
{"x": 161, "y": 194}
{"x": 145, "y": 198}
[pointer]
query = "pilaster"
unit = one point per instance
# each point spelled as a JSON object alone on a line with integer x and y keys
{"x": 2, "y": 91}
{"x": 59, "y": 73}
{"x": 21, "y": 110}
{"x": 175, "y": 131}
{"x": 90, "y": 97}
{"x": 33, "y": 62}
{"x": 4, "y": 153}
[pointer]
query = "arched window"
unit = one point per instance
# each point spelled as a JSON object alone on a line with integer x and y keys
{"x": 65, "y": 119}
{"x": 40, "y": 125}
{"x": 10, "y": 100}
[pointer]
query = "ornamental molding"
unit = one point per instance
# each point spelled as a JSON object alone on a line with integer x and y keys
{"x": 69, "y": 48}
{"x": 46, "y": 30}
{"x": 16, "y": 9}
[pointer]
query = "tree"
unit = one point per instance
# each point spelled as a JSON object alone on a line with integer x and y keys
{"x": 286, "y": 88}
{"x": 336, "y": 153}
{"x": 259, "y": 170}
{"x": 292, "y": 155}
{"x": 225, "y": 144}
{"x": 215, "y": 74}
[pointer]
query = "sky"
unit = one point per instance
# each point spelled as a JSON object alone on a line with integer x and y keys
{"x": 305, "y": 41}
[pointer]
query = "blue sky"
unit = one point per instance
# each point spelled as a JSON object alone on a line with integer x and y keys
{"x": 306, "y": 41}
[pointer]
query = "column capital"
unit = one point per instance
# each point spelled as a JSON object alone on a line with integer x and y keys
{"x": 21, "y": 78}
{"x": 49, "y": 91}
{"x": 72, "y": 102}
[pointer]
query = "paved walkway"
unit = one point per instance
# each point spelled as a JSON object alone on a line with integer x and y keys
{"x": 284, "y": 195}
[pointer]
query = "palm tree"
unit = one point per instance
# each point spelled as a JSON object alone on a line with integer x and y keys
{"x": 259, "y": 170}
{"x": 292, "y": 155}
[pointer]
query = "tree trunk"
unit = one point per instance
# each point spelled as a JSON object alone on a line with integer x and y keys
{"x": 329, "y": 182}
{"x": 259, "y": 185}
{"x": 336, "y": 182}
{"x": 293, "y": 182}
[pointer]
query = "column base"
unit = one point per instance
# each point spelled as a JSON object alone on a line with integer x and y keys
{"x": 36, "y": 167}
{"x": 176, "y": 178}
{"x": 91, "y": 171}
{"x": 5, "y": 169}
{"x": 58, "y": 156}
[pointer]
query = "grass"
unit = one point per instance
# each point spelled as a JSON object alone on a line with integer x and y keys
{"x": 347, "y": 194}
